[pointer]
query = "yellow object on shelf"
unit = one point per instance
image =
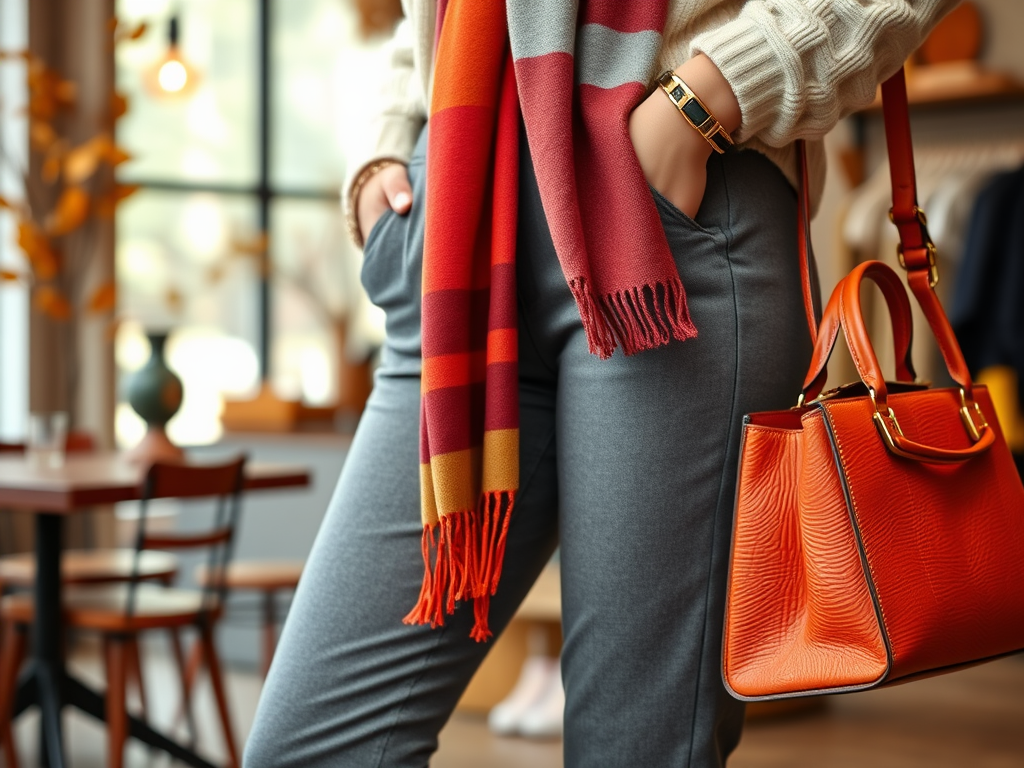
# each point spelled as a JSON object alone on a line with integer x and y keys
{"x": 1002, "y": 383}
{"x": 264, "y": 413}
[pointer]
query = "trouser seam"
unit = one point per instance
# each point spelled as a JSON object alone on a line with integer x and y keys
{"x": 709, "y": 581}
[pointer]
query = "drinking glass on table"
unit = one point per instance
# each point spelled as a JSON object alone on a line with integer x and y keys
{"x": 47, "y": 437}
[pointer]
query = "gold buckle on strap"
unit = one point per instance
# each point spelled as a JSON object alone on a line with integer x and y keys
{"x": 933, "y": 267}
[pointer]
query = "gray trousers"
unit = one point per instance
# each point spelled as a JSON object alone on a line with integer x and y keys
{"x": 628, "y": 463}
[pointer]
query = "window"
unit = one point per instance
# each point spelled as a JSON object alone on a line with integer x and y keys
{"x": 13, "y": 296}
{"x": 237, "y": 216}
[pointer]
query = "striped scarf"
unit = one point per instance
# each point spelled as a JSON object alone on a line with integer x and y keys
{"x": 575, "y": 73}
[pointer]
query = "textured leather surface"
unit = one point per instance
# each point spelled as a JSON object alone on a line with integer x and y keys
{"x": 944, "y": 542}
{"x": 800, "y": 617}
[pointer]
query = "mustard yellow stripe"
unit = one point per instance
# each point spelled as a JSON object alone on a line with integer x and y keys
{"x": 501, "y": 460}
{"x": 455, "y": 481}
{"x": 428, "y": 507}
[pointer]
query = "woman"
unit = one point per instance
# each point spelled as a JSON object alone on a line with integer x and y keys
{"x": 604, "y": 221}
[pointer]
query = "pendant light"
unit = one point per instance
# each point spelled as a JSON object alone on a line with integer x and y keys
{"x": 172, "y": 76}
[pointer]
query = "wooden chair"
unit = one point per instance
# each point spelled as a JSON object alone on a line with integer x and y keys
{"x": 92, "y": 566}
{"x": 121, "y": 612}
{"x": 7, "y": 533}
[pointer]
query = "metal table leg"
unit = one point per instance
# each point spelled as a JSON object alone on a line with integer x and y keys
{"x": 47, "y": 634}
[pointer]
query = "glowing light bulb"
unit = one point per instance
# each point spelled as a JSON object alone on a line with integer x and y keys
{"x": 173, "y": 76}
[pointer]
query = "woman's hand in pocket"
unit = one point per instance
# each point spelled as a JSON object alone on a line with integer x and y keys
{"x": 672, "y": 153}
{"x": 387, "y": 188}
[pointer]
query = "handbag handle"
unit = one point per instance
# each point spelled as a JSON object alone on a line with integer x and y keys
{"x": 902, "y": 332}
{"x": 845, "y": 310}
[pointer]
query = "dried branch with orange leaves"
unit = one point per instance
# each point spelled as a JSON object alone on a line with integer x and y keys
{"x": 70, "y": 188}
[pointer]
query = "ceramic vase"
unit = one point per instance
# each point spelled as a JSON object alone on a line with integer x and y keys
{"x": 155, "y": 393}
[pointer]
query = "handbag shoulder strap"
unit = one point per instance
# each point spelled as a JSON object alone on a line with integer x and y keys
{"x": 916, "y": 251}
{"x": 803, "y": 213}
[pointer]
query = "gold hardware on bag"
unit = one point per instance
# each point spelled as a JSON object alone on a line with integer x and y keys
{"x": 968, "y": 419}
{"x": 886, "y": 434}
{"x": 883, "y": 428}
{"x": 918, "y": 211}
{"x": 933, "y": 266}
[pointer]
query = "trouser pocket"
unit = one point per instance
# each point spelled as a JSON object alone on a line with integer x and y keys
{"x": 393, "y": 265}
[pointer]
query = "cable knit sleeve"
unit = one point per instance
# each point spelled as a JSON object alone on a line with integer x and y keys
{"x": 397, "y": 111}
{"x": 798, "y": 66}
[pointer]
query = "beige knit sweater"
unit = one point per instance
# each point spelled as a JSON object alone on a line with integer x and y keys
{"x": 796, "y": 67}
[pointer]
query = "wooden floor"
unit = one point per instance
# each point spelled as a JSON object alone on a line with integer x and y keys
{"x": 972, "y": 719}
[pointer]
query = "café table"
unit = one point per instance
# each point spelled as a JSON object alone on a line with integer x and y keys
{"x": 52, "y": 493}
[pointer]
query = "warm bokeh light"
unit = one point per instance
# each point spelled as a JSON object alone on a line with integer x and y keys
{"x": 173, "y": 76}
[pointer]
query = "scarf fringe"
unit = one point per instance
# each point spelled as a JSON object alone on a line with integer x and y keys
{"x": 638, "y": 318}
{"x": 463, "y": 554}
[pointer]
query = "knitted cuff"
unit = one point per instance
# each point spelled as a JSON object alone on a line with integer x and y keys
{"x": 750, "y": 63}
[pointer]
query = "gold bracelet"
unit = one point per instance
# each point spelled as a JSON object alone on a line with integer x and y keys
{"x": 351, "y": 217}
{"x": 695, "y": 112}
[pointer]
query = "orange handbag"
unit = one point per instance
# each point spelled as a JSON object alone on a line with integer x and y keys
{"x": 879, "y": 528}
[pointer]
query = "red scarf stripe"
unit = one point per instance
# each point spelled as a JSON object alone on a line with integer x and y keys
{"x": 502, "y": 345}
{"x": 624, "y": 17}
{"x": 501, "y": 412}
{"x": 460, "y": 196}
{"x": 463, "y": 425}
{"x": 462, "y": 315}
{"x": 455, "y": 370}
{"x": 502, "y": 313}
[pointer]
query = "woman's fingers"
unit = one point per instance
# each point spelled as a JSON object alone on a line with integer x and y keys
{"x": 388, "y": 188}
{"x": 397, "y": 188}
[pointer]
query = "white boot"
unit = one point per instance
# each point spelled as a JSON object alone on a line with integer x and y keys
{"x": 534, "y": 680}
{"x": 543, "y": 719}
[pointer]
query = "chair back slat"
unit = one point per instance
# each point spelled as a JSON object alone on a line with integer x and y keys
{"x": 187, "y": 540}
{"x": 11, "y": 447}
{"x": 221, "y": 482}
{"x": 183, "y": 481}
